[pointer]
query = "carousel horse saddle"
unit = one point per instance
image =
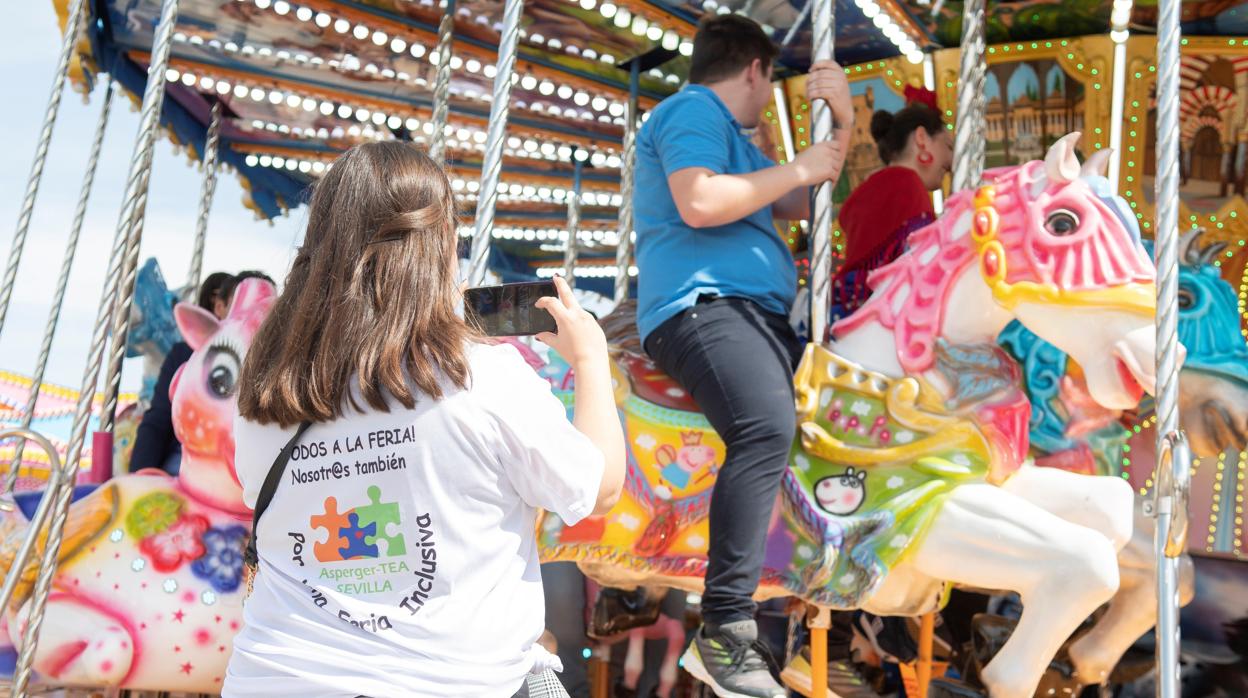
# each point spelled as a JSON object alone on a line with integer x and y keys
{"x": 28, "y": 502}
{"x": 651, "y": 384}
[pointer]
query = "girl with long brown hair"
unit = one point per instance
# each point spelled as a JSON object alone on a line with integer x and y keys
{"x": 398, "y": 554}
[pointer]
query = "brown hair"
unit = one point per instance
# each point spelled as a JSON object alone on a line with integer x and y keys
{"x": 892, "y": 131}
{"x": 371, "y": 296}
{"x": 725, "y": 45}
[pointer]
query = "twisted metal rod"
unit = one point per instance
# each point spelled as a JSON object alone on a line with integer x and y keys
{"x": 211, "y": 144}
{"x": 62, "y": 282}
{"x": 624, "y": 248}
{"x": 128, "y": 265}
{"x": 824, "y": 25}
{"x": 72, "y": 26}
{"x": 969, "y": 135}
{"x": 1166, "y": 251}
{"x": 442, "y": 84}
{"x": 127, "y": 232}
{"x": 574, "y": 224}
{"x": 492, "y": 167}
{"x": 17, "y": 568}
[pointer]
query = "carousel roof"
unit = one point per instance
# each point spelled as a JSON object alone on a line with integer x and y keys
{"x": 300, "y": 81}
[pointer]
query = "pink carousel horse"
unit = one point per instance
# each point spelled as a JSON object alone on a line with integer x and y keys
{"x": 148, "y": 593}
{"x": 910, "y": 473}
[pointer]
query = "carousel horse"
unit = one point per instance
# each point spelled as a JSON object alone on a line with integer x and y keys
{"x": 909, "y": 472}
{"x": 1069, "y": 431}
{"x": 147, "y": 594}
{"x": 153, "y": 330}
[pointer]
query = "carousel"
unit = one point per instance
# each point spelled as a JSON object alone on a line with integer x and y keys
{"x": 1072, "y": 450}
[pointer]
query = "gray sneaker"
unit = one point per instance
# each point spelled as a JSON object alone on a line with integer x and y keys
{"x": 731, "y": 661}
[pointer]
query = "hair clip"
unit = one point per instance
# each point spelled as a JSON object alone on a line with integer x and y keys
{"x": 921, "y": 95}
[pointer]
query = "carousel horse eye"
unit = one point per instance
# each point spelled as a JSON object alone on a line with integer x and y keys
{"x": 223, "y": 373}
{"x": 1061, "y": 223}
{"x": 1187, "y": 299}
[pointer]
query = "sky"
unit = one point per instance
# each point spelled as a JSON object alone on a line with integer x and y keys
{"x": 235, "y": 240}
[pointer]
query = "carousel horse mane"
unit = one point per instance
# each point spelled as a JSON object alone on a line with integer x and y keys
{"x": 620, "y": 327}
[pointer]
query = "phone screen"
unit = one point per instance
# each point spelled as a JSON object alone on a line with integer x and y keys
{"x": 509, "y": 310}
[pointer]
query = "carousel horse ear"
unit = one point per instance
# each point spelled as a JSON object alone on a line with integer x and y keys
{"x": 196, "y": 324}
{"x": 1098, "y": 164}
{"x": 1189, "y": 246}
{"x": 1061, "y": 165}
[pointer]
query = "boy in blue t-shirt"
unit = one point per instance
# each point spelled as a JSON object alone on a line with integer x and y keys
{"x": 716, "y": 284}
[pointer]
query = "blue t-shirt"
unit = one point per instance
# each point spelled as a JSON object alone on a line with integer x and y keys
{"x": 676, "y": 262}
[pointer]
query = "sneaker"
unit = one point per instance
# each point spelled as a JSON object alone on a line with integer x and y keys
{"x": 732, "y": 662}
{"x": 845, "y": 678}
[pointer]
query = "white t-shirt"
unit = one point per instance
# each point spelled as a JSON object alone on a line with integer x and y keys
{"x": 398, "y": 556}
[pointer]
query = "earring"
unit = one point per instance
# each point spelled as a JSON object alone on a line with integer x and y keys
{"x": 925, "y": 158}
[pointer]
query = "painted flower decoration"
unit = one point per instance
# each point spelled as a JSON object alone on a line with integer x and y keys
{"x": 177, "y": 544}
{"x": 222, "y": 563}
{"x": 152, "y": 514}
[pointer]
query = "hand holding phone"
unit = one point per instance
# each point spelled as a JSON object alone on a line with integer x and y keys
{"x": 510, "y": 310}
{"x": 580, "y": 338}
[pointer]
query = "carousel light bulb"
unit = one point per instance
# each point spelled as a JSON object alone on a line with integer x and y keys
{"x": 537, "y": 39}
{"x": 263, "y": 4}
{"x": 223, "y": 87}
{"x": 417, "y": 50}
{"x": 640, "y": 25}
{"x": 309, "y": 104}
{"x": 354, "y": 130}
{"x": 472, "y": 65}
{"x": 478, "y": 136}
{"x": 581, "y": 155}
{"x": 394, "y": 121}
{"x": 474, "y": 186}
{"x": 188, "y": 79}
{"x": 279, "y": 161}
{"x": 318, "y": 167}
{"x": 342, "y": 26}
{"x": 546, "y": 87}
{"x": 345, "y": 111}
{"x": 456, "y": 62}
{"x": 362, "y": 115}
{"x": 623, "y": 19}
{"x": 305, "y": 167}
{"x": 398, "y": 45}
{"x": 581, "y": 99}
{"x": 598, "y": 159}
{"x": 490, "y": 70}
{"x": 588, "y": 4}
{"x": 613, "y": 161}
{"x": 607, "y": 10}
{"x": 266, "y": 160}
{"x": 589, "y": 54}
{"x": 172, "y": 75}
{"x": 380, "y": 38}
{"x": 686, "y": 48}
{"x": 360, "y": 32}
{"x": 281, "y": 7}
{"x": 293, "y": 100}
{"x": 654, "y": 33}
{"x": 548, "y": 148}
{"x": 427, "y": 127}
{"x": 915, "y": 57}
{"x": 304, "y": 14}
{"x": 870, "y": 10}
{"x": 514, "y": 143}
{"x": 528, "y": 82}
{"x": 323, "y": 20}
{"x": 881, "y": 21}
{"x": 531, "y": 146}
{"x": 671, "y": 40}
{"x": 252, "y": 160}
{"x": 599, "y": 103}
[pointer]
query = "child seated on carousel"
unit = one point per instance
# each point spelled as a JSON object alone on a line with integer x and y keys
{"x": 420, "y": 449}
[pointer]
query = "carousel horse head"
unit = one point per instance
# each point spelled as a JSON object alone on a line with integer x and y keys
{"x": 204, "y": 391}
{"x": 1045, "y": 243}
{"x": 1213, "y": 398}
{"x": 153, "y": 331}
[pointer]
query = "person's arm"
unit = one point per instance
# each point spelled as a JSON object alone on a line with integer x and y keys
{"x": 705, "y": 199}
{"x": 826, "y": 80}
{"x": 581, "y": 342}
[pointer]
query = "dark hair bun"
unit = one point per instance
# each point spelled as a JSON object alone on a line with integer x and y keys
{"x": 881, "y": 124}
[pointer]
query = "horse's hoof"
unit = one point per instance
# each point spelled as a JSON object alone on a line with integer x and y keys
{"x": 617, "y": 611}
{"x": 952, "y": 688}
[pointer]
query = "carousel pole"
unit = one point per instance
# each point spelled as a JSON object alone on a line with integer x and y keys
{"x": 62, "y": 282}
{"x": 211, "y": 144}
{"x": 442, "y": 84}
{"x": 1174, "y": 461}
{"x": 128, "y": 231}
{"x": 624, "y": 248}
{"x": 73, "y": 24}
{"x": 487, "y": 203}
{"x": 574, "y": 221}
{"x": 969, "y": 137}
{"x": 824, "y": 25}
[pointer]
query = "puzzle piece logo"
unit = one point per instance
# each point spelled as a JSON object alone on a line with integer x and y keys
{"x": 357, "y": 533}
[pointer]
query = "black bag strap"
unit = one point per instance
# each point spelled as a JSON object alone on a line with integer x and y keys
{"x": 251, "y": 556}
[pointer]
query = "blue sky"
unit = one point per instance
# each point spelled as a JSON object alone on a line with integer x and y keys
{"x": 236, "y": 240}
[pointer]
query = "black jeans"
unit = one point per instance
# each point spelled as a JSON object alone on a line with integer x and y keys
{"x": 736, "y": 360}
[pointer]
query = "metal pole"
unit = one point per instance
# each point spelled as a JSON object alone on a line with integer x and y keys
{"x": 211, "y": 144}
{"x": 821, "y": 225}
{"x": 136, "y": 193}
{"x": 969, "y": 137}
{"x": 442, "y": 84}
{"x": 72, "y": 25}
{"x": 492, "y": 167}
{"x": 574, "y": 223}
{"x": 17, "y": 568}
{"x": 1171, "y": 509}
{"x": 62, "y": 282}
{"x": 136, "y": 208}
{"x": 624, "y": 248}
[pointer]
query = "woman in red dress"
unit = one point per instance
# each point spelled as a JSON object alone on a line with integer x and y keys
{"x": 880, "y": 214}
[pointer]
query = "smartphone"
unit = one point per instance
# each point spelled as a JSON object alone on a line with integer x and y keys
{"x": 509, "y": 310}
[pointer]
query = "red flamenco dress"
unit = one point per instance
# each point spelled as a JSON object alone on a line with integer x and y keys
{"x": 875, "y": 222}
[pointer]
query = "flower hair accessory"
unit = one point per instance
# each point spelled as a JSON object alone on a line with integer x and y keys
{"x": 921, "y": 95}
